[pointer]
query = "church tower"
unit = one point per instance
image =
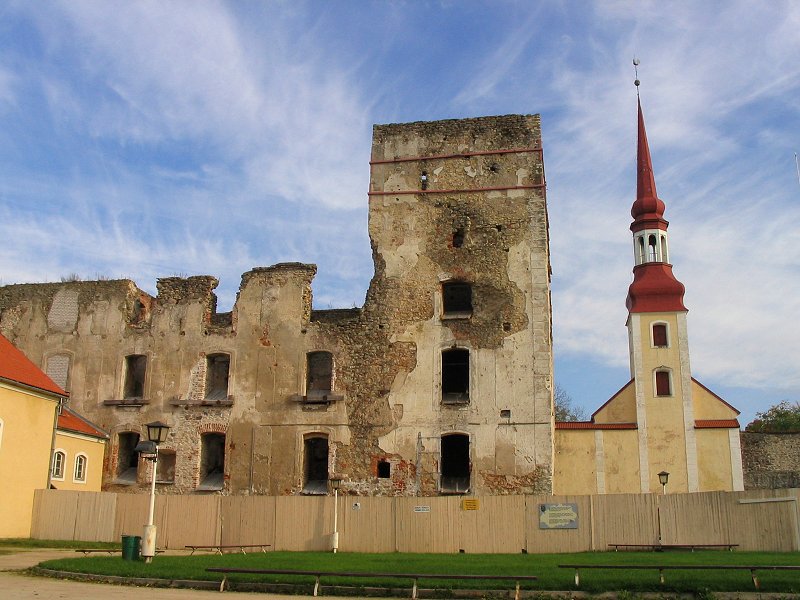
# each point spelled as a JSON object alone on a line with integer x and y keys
{"x": 658, "y": 342}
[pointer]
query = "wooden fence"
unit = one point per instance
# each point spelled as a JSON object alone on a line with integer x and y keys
{"x": 755, "y": 520}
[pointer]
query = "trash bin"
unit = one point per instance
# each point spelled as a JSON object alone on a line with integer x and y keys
{"x": 130, "y": 547}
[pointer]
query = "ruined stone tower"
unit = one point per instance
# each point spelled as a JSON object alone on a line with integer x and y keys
{"x": 440, "y": 384}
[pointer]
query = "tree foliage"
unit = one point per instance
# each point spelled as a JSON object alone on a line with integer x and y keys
{"x": 784, "y": 416}
{"x": 565, "y": 407}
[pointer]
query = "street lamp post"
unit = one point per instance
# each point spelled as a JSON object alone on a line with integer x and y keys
{"x": 335, "y": 482}
{"x": 663, "y": 478}
{"x": 156, "y": 434}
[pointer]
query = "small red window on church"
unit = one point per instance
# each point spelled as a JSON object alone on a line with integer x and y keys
{"x": 660, "y": 335}
{"x": 663, "y": 387}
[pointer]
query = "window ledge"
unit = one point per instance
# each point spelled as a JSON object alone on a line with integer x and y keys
{"x": 455, "y": 399}
{"x": 317, "y": 398}
{"x": 452, "y": 316}
{"x": 127, "y": 402}
{"x": 205, "y": 402}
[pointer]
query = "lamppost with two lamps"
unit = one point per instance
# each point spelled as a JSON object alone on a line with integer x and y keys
{"x": 157, "y": 433}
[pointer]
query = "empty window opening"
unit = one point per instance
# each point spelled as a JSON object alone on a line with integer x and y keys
{"x": 455, "y": 463}
{"x": 384, "y": 469}
{"x": 458, "y": 237}
{"x": 455, "y": 376}
{"x": 423, "y": 180}
{"x": 652, "y": 249}
{"x": 664, "y": 254}
{"x": 663, "y": 385}
{"x": 79, "y": 474}
{"x": 660, "y": 335}
{"x": 640, "y": 249}
{"x": 457, "y": 298}
{"x": 494, "y": 168}
{"x": 212, "y": 461}
{"x": 135, "y": 368}
{"x": 127, "y": 457}
{"x": 217, "y": 370}
{"x": 315, "y": 465}
{"x": 165, "y": 471}
{"x": 59, "y": 458}
{"x": 319, "y": 374}
{"x": 498, "y": 227}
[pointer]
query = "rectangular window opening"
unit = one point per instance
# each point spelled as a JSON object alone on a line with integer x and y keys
{"x": 456, "y": 299}
{"x": 212, "y": 462}
{"x": 660, "y": 335}
{"x": 315, "y": 465}
{"x": 455, "y": 464}
{"x": 127, "y": 458}
{"x": 217, "y": 371}
{"x": 384, "y": 469}
{"x": 319, "y": 375}
{"x": 135, "y": 369}
{"x": 165, "y": 472}
{"x": 455, "y": 376}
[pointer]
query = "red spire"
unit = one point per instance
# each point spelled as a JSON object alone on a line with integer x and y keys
{"x": 648, "y": 209}
{"x": 654, "y": 287}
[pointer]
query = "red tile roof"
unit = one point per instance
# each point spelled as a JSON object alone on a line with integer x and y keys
{"x": 590, "y": 425}
{"x": 69, "y": 420}
{"x": 716, "y": 424}
{"x": 17, "y": 368}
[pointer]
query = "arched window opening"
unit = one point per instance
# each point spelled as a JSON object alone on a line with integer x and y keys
{"x": 664, "y": 253}
{"x": 217, "y": 371}
{"x": 135, "y": 369}
{"x": 59, "y": 459}
{"x": 660, "y": 335}
{"x": 79, "y": 475}
{"x": 212, "y": 461}
{"x": 315, "y": 465}
{"x": 455, "y": 376}
{"x": 319, "y": 374}
{"x": 652, "y": 249}
{"x": 663, "y": 383}
{"x": 640, "y": 250}
{"x": 456, "y": 299}
{"x": 127, "y": 458}
{"x": 455, "y": 464}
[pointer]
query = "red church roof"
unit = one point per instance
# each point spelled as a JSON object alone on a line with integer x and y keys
{"x": 17, "y": 368}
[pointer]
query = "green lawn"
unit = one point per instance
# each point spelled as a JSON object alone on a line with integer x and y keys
{"x": 545, "y": 566}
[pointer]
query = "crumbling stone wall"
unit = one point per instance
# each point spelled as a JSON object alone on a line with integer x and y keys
{"x": 459, "y": 200}
{"x": 770, "y": 460}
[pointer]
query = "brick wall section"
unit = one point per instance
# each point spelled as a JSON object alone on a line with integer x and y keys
{"x": 771, "y": 460}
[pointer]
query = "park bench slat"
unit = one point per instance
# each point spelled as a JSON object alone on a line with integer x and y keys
{"x": 220, "y": 547}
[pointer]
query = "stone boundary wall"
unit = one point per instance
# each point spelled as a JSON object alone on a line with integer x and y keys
{"x": 771, "y": 460}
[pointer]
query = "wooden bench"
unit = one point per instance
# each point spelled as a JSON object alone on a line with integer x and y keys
{"x": 661, "y": 568}
{"x": 218, "y": 548}
{"x": 415, "y": 577}
{"x": 87, "y": 551}
{"x": 661, "y": 547}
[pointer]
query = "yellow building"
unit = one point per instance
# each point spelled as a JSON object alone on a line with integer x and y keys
{"x": 662, "y": 420}
{"x": 29, "y": 402}
{"x": 78, "y": 454}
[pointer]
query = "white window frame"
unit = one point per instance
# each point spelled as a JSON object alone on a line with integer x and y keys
{"x": 652, "y": 336}
{"x": 53, "y": 474}
{"x": 84, "y": 459}
{"x": 668, "y": 371}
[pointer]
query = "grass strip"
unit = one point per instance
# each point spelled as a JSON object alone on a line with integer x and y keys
{"x": 544, "y": 566}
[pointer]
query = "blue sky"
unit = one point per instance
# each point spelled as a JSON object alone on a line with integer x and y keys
{"x": 153, "y": 139}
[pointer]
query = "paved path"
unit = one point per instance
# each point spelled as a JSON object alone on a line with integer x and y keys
{"x": 15, "y": 585}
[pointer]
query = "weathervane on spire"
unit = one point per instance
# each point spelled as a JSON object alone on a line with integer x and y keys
{"x": 636, "y": 81}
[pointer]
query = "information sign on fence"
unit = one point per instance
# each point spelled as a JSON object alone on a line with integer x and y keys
{"x": 558, "y": 516}
{"x": 470, "y": 504}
